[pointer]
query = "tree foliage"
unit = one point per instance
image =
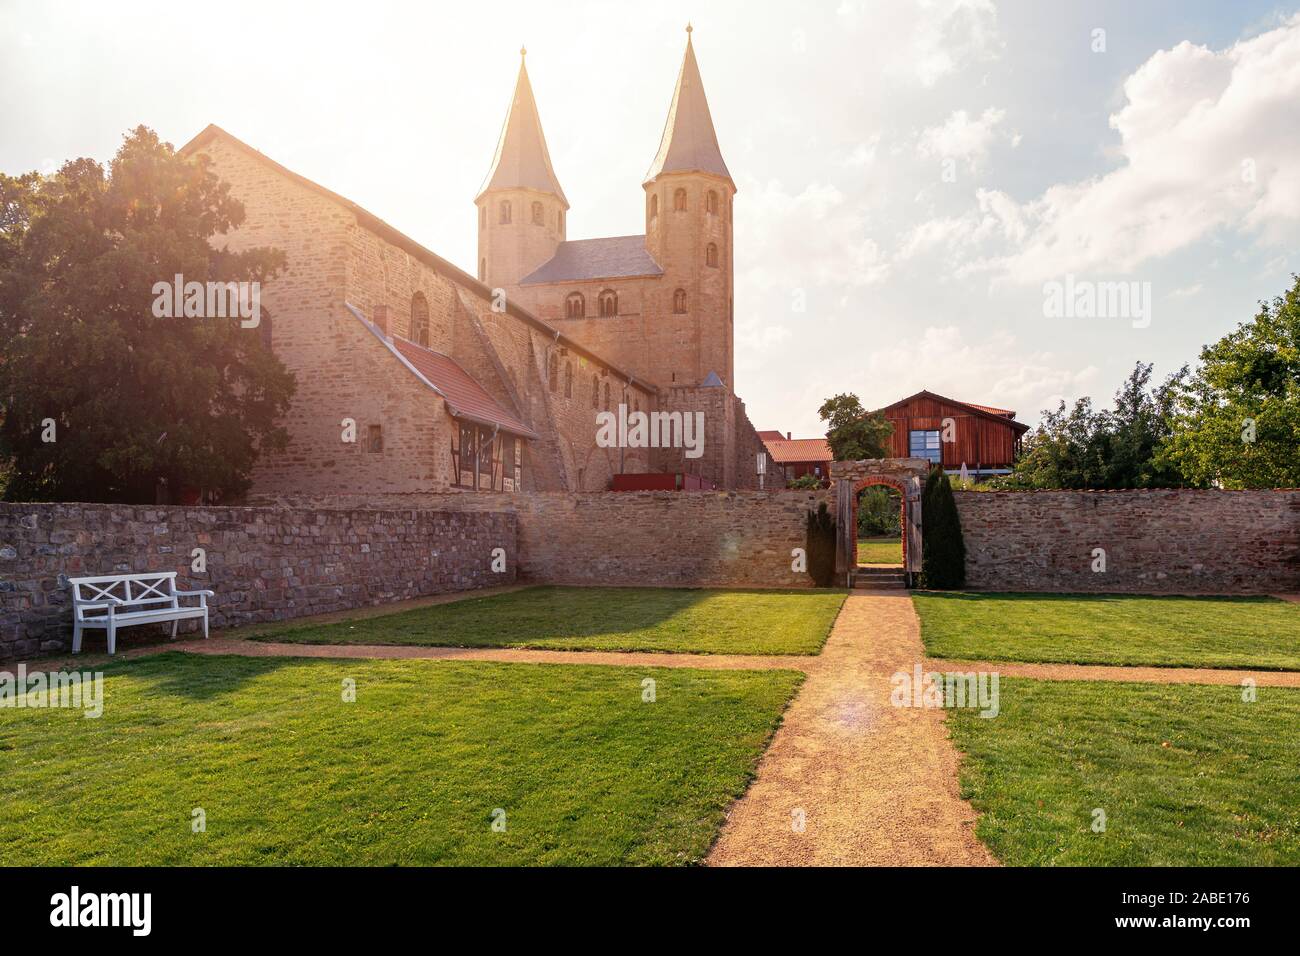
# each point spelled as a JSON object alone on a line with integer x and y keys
{"x": 943, "y": 549}
{"x": 1236, "y": 422}
{"x": 852, "y": 432}
{"x": 134, "y": 398}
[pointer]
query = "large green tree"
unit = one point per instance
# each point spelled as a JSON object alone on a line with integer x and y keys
{"x": 852, "y": 432}
{"x": 132, "y": 398}
{"x": 1237, "y": 419}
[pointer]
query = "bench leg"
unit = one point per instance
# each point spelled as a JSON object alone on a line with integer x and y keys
{"x": 175, "y": 624}
{"x": 76, "y": 637}
{"x": 112, "y": 639}
{"x": 205, "y": 625}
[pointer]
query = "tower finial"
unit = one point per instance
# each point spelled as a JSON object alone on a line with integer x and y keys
{"x": 689, "y": 28}
{"x": 523, "y": 52}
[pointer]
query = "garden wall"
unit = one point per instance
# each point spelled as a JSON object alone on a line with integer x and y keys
{"x": 264, "y": 564}
{"x": 1155, "y": 541}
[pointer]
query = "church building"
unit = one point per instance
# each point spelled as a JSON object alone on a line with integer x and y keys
{"x": 415, "y": 376}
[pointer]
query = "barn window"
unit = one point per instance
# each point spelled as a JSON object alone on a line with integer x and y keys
{"x": 679, "y": 200}
{"x": 679, "y": 302}
{"x": 420, "y": 319}
{"x": 505, "y": 211}
{"x": 553, "y": 372}
{"x": 711, "y": 255}
{"x": 924, "y": 443}
{"x": 711, "y": 203}
{"x": 575, "y": 306}
{"x": 568, "y": 380}
{"x": 539, "y": 215}
{"x": 654, "y": 207}
{"x": 609, "y": 302}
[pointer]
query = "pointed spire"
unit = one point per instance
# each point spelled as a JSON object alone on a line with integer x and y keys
{"x": 522, "y": 159}
{"x": 689, "y": 142}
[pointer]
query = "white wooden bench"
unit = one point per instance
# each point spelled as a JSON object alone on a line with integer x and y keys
{"x": 113, "y": 601}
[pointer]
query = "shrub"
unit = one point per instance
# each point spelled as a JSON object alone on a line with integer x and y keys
{"x": 943, "y": 552}
{"x": 804, "y": 482}
{"x": 878, "y": 513}
{"x": 821, "y": 546}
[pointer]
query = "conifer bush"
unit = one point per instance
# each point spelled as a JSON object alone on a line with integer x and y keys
{"x": 943, "y": 552}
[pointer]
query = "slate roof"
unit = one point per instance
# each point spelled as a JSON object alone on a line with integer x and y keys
{"x": 689, "y": 143}
{"x": 615, "y": 257}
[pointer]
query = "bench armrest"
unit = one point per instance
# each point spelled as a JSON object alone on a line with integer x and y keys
{"x": 98, "y": 603}
{"x": 196, "y": 593}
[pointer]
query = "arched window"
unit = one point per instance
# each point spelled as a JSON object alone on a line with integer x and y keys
{"x": 553, "y": 372}
{"x": 608, "y": 303}
{"x": 595, "y": 390}
{"x": 654, "y": 207}
{"x": 607, "y": 408}
{"x": 420, "y": 319}
{"x": 264, "y": 326}
{"x": 679, "y": 200}
{"x": 482, "y": 217}
{"x": 575, "y": 306}
{"x": 679, "y": 301}
{"x": 568, "y": 380}
{"x": 711, "y": 255}
{"x": 539, "y": 215}
{"x": 505, "y": 211}
{"x": 711, "y": 203}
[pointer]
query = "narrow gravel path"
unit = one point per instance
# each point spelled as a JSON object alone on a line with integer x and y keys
{"x": 1136, "y": 675}
{"x": 873, "y": 784}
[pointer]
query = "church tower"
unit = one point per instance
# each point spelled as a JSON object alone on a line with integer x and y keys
{"x": 688, "y": 196}
{"x": 521, "y": 207}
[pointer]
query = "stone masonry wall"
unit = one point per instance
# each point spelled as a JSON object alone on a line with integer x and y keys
{"x": 265, "y": 564}
{"x": 1158, "y": 541}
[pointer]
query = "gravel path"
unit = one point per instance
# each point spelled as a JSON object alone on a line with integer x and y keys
{"x": 1108, "y": 672}
{"x": 874, "y": 784}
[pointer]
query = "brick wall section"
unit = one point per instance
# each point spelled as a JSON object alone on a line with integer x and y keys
{"x": 1157, "y": 541}
{"x": 265, "y": 564}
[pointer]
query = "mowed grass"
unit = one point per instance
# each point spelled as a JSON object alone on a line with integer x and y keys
{"x": 411, "y": 773}
{"x": 880, "y": 550}
{"x": 604, "y": 619}
{"x": 1246, "y": 632}
{"x": 1186, "y": 775}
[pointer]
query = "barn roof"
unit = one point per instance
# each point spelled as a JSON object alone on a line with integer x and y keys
{"x": 1001, "y": 415}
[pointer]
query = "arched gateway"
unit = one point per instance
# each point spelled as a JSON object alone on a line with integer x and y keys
{"x": 906, "y": 475}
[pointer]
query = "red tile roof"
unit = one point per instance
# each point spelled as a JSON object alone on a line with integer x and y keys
{"x": 785, "y": 451}
{"x": 465, "y": 397}
{"x": 1005, "y": 412}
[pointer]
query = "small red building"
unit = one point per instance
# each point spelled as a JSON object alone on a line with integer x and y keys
{"x": 951, "y": 433}
{"x": 791, "y": 458}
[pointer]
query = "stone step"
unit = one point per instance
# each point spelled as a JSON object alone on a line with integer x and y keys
{"x": 893, "y": 579}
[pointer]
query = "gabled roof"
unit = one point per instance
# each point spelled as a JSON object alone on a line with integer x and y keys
{"x": 522, "y": 159}
{"x": 689, "y": 142}
{"x": 1002, "y": 415}
{"x": 785, "y": 451}
{"x": 773, "y": 434}
{"x": 466, "y": 399}
{"x": 404, "y": 242}
{"x": 616, "y": 257}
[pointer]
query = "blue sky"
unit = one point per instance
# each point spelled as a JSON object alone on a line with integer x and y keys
{"x": 839, "y": 121}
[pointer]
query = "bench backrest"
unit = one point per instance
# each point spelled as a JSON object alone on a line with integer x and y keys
{"x": 135, "y": 592}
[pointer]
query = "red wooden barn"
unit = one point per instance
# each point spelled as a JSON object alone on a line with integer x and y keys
{"x": 984, "y": 439}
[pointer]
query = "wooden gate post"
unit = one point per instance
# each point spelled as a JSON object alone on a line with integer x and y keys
{"x": 846, "y": 550}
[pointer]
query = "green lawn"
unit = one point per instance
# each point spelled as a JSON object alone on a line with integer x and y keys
{"x": 410, "y": 773}
{"x": 1247, "y": 632}
{"x": 1187, "y": 775}
{"x": 604, "y": 619}
{"x": 880, "y": 550}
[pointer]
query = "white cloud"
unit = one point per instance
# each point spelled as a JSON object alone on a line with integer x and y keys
{"x": 1209, "y": 141}
{"x": 926, "y": 40}
{"x": 962, "y": 137}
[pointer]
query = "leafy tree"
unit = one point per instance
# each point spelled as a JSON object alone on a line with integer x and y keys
{"x": 821, "y": 546}
{"x": 943, "y": 550}
{"x": 1237, "y": 420}
{"x": 854, "y": 433}
{"x": 133, "y": 398}
{"x": 879, "y": 512}
{"x": 804, "y": 482}
{"x": 1085, "y": 448}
